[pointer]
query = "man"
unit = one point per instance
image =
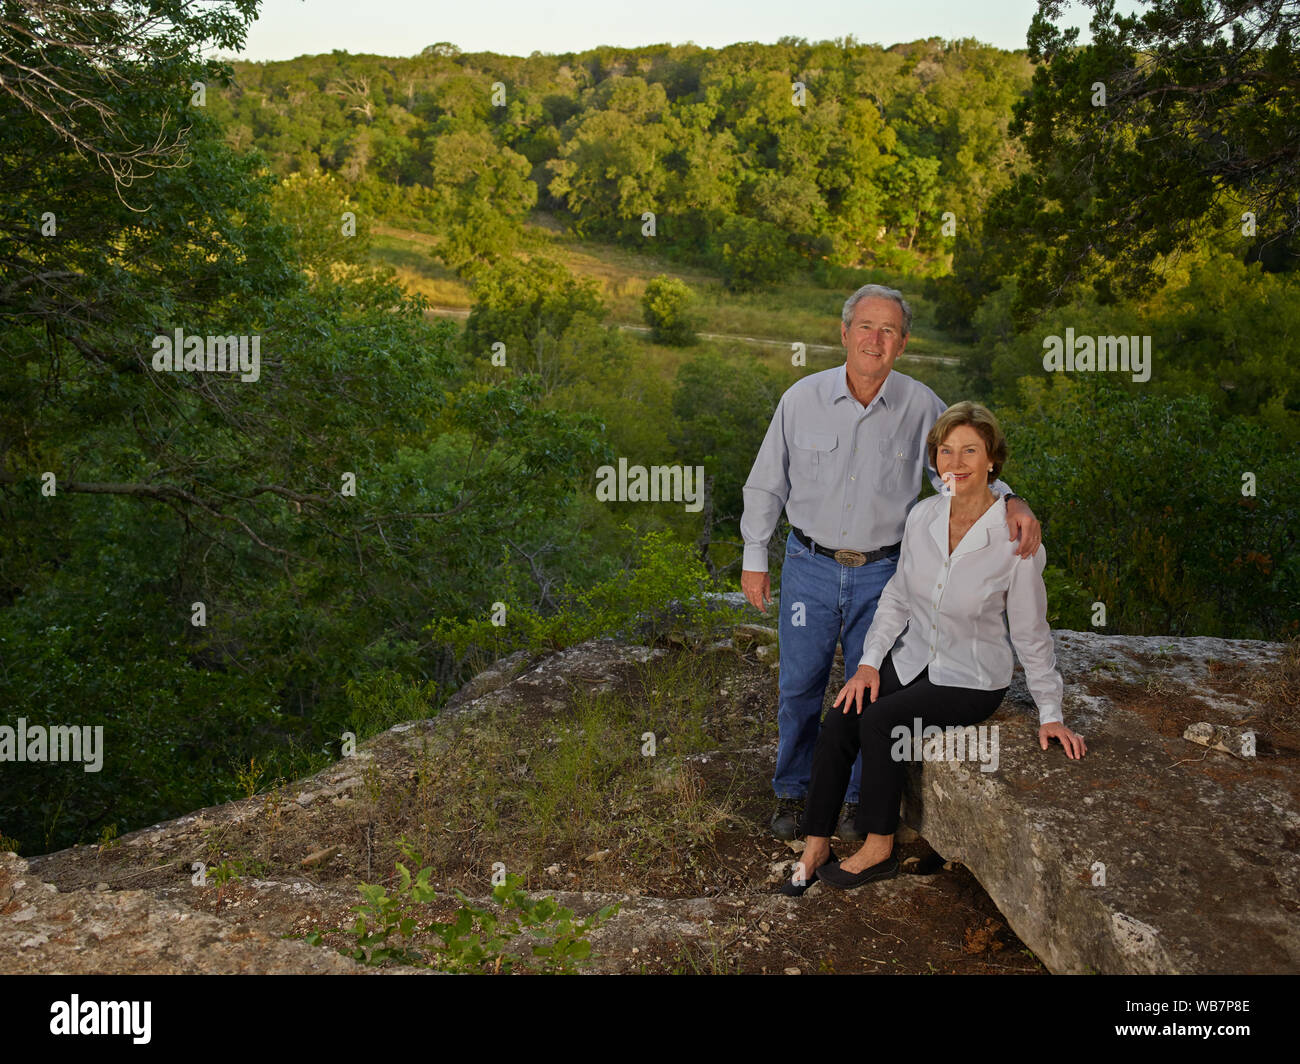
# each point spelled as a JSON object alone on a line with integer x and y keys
{"x": 844, "y": 456}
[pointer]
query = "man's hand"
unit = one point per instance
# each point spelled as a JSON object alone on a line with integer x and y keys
{"x": 867, "y": 680}
{"x": 1022, "y": 522}
{"x": 757, "y": 588}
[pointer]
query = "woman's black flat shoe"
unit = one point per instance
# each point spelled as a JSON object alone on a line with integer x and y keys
{"x": 789, "y": 889}
{"x": 833, "y": 875}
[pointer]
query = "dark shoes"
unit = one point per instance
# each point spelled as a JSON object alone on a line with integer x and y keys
{"x": 833, "y": 875}
{"x": 793, "y": 890}
{"x": 845, "y": 829}
{"x": 787, "y": 821}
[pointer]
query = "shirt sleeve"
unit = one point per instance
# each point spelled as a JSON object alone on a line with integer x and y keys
{"x": 893, "y": 609}
{"x": 1032, "y": 638}
{"x": 892, "y": 615}
{"x": 765, "y": 493}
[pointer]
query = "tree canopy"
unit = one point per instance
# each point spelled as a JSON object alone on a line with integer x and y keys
{"x": 1177, "y": 126}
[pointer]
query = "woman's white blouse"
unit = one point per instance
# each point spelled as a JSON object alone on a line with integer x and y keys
{"x": 953, "y": 613}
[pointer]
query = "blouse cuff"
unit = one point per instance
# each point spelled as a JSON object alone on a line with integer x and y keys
{"x": 873, "y": 656}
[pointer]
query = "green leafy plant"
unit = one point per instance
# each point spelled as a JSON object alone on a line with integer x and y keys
{"x": 227, "y": 872}
{"x": 384, "y": 697}
{"x": 247, "y": 779}
{"x": 474, "y": 940}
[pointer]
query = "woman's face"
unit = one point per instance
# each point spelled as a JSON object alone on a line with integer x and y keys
{"x": 964, "y": 455}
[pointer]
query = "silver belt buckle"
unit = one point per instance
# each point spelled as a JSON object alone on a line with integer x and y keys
{"x": 851, "y": 558}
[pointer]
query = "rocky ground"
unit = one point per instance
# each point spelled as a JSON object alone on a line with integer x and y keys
{"x": 604, "y": 773}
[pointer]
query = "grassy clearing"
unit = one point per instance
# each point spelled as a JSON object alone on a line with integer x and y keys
{"x": 801, "y": 311}
{"x": 413, "y": 259}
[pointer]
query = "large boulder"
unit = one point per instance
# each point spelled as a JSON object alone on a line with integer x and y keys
{"x": 1151, "y": 854}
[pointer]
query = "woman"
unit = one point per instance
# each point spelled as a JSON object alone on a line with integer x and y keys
{"x": 937, "y": 649}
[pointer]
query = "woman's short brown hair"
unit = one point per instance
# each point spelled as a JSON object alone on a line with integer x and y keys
{"x": 982, "y": 421}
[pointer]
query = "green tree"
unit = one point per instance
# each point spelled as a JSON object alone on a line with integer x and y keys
{"x": 610, "y": 171}
{"x": 1196, "y": 134}
{"x": 667, "y": 309}
{"x": 1227, "y": 331}
{"x": 322, "y": 222}
{"x": 548, "y": 320}
{"x": 753, "y": 253}
{"x": 319, "y": 504}
{"x": 484, "y": 194}
{"x": 721, "y": 408}
{"x": 1145, "y": 505}
{"x": 704, "y": 176}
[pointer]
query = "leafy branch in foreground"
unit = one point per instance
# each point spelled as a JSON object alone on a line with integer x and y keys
{"x": 1175, "y": 125}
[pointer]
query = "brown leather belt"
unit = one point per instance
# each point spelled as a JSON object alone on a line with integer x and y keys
{"x": 851, "y": 558}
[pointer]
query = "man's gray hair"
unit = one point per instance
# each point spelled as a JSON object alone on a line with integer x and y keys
{"x": 871, "y": 290}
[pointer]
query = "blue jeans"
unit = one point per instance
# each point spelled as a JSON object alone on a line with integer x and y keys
{"x": 838, "y": 603}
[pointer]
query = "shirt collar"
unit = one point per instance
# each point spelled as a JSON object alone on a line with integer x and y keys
{"x": 841, "y": 387}
{"x": 978, "y": 536}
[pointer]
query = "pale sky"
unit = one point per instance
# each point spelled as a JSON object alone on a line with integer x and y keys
{"x": 289, "y": 28}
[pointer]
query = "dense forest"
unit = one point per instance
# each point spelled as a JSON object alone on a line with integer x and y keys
{"x": 755, "y": 159}
{"x": 229, "y": 568}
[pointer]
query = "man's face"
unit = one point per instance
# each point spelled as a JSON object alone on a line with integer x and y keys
{"x": 874, "y": 338}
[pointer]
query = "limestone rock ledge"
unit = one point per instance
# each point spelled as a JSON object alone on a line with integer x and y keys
{"x": 131, "y": 932}
{"x": 1150, "y": 855}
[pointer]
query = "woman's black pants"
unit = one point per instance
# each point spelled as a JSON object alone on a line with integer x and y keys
{"x": 844, "y": 734}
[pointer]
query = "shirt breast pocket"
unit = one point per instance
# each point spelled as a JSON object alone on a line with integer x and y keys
{"x": 812, "y": 454}
{"x": 897, "y": 461}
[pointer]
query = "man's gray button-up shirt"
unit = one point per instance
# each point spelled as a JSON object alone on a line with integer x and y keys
{"x": 847, "y": 475}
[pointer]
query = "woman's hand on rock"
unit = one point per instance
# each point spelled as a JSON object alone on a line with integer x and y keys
{"x": 1073, "y": 742}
